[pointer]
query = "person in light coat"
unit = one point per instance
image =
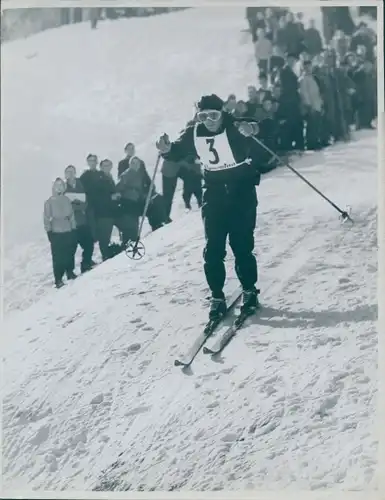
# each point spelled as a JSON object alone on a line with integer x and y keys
{"x": 60, "y": 226}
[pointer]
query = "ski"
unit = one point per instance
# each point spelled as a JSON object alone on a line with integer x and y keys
{"x": 208, "y": 330}
{"x": 229, "y": 333}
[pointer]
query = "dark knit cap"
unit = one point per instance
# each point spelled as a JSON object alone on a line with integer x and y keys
{"x": 210, "y": 102}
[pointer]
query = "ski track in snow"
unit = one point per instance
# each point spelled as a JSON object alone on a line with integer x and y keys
{"x": 98, "y": 386}
{"x": 91, "y": 397}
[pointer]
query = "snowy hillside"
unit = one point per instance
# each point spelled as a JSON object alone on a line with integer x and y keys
{"x": 90, "y": 384}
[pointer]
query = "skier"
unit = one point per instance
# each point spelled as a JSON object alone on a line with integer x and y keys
{"x": 230, "y": 161}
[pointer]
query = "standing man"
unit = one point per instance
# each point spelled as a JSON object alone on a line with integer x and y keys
{"x": 75, "y": 192}
{"x": 230, "y": 167}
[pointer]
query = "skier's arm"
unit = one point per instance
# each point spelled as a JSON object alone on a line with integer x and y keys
{"x": 182, "y": 147}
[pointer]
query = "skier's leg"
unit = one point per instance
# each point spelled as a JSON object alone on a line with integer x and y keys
{"x": 187, "y": 189}
{"x": 198, "y": 189}
{"x": 215, "y": 225}
{"x": 241, "y": 239}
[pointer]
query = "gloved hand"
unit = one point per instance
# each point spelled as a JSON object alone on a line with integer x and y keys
{"x": 163, "y": 144}
{"x": 247, "y": 129}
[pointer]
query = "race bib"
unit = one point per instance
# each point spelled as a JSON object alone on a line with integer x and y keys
{"x": 215, "y": 152}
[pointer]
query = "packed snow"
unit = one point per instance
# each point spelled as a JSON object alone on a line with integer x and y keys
{"x": 91, "y": 397}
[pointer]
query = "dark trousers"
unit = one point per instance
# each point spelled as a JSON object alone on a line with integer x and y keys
{"x": 192, "y": 185}
{"x": 263, "y": 66}
{"x": 233, "y": 216}
{"x": 85, "y": 240}
{"x": 103, "y": 228}
{"x": 365, "y": 114}
{"x": 62, "y": 251}
{"x": 156, "y": 213}
{"x": 128, "y": 225}
{"x": 293, "y": 133}
{"x": 168, "y": 190}
{"x": 313, "y": 121}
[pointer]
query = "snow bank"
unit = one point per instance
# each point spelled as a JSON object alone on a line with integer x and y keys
{"x": 89, "y": 381}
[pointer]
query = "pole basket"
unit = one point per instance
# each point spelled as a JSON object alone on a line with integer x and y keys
{"x": 346, "y": 215}
{"x": 135, "y": 250}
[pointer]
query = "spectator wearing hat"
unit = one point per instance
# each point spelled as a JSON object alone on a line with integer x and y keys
{"x": 292, "y": 131}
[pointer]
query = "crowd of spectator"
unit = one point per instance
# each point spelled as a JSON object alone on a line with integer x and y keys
{"x": 83, "y": 210}
{"x": 308, "y": 96}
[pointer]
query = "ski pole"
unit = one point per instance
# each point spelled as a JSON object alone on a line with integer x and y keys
{"x": 344, "y": 214}
{"x": 135, "y": 249}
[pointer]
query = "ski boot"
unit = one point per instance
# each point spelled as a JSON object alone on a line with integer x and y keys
{"x": 71, "y": 275}
{"x": 218, "y": 308}
{"x": 59, "y": 284}
{"x": 250, "y": 302}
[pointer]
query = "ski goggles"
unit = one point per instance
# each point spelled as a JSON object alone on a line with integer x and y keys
{"x": 212, "y": 115}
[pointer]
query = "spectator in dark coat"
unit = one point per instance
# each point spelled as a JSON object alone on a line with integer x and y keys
{"x": 132, "y": 188}
{"x": 294, "y": 36}
{"x": 366, "y": 93}
{"x": 312, "y": 39}
{"x": 100, "y": 188}
{"x": 87, "y": 180}
{"x": 291, "y": 106}
{"x": 75, "y": 192}
{"x": 251, "y": 16}
{"x": 366, "y": 37}
{"x": 281, "y": 35}
{"x": 60, "y": 226}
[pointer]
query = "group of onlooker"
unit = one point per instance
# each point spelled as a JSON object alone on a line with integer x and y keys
{"x": 84, "y": 210}
{"x": 308, "y": 96}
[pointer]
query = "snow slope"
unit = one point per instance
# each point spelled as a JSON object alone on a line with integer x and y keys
{"x": 89, "y": 381}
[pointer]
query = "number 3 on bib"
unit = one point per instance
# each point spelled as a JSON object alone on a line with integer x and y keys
{"x": 212, "y": 150}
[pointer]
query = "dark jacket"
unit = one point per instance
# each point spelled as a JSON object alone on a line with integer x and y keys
{"x": 77, "y": 196}
{"x": 294, "y": 38}
{"x": 245, "y": 152}
{"x": 133, "y": 187}
{"x": 99, "y": 189}
{"x": 313, "y": 41}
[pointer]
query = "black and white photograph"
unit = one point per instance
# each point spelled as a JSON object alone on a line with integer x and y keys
{"x": 192, "y": 248}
